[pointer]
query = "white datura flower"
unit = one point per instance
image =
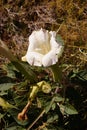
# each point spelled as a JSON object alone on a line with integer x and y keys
{"x": 43, "y": 48}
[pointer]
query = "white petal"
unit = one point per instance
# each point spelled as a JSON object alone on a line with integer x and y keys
{"x": 37, "y": 37}
{"x": 40, "y": 35}
{"x": 50, "y": 59}
{"x": 39, "y": 41}
{"x": 59, "y": 51}
{"x": 53, "y": 43}
{"x": 55, "y": 46}
{"x": 53, "y": 33}
{"x": 34, "y": 58}
{"x": 33, "y": 43}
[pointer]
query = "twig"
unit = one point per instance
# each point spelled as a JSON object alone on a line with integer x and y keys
{"x": 77, "y": 47}
{"x": 41, "y": 114}
{"x": 60, "y": 26}
{"x": 85, "y": 54}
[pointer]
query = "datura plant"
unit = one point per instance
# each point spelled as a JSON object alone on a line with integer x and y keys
{"x": 44, "y": 50}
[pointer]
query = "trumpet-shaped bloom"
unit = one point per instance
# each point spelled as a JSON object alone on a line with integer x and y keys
{"x": 43, "y": 48}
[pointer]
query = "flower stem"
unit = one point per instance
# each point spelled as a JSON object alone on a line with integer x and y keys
{"x": 23, "y": 115}
{"x": 57, "y": 74}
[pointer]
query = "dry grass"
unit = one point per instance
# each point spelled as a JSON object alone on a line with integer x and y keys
{"x": 73, "y": 15}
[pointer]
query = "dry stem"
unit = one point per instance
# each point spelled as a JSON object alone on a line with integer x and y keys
{"x": 22, "y": 115}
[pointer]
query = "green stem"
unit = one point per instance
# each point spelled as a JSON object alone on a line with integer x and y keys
{"x": 57, "y": 74}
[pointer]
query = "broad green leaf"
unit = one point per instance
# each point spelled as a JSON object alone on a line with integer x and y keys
{"x": 4, "y": 104}
{"x": 6, "y": 86}
{"x": 68, "y": 109}
{"x": 27, "y": 72}
{"x": 49, "y": 105}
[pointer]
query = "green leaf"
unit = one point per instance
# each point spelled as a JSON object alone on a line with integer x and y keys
{"x": 28, "y": 73}
{"x": 6, "y": 86}
{"x": 49, "y": 105}
{"x": 78, "y": 75}
{"x": 58, "y": 98}
{"x": 3, "y": 93}
{"x": 57, "y": 72}
{"x": 52, "y": 118}
{"x": 10, "y": 69}
{"x": 4, "y": 104}
{"x": 1, "y": 116}
{"x": 53, "y": 106}
{"x": 68, "y": 109}
{"x": 59, "y": 39}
